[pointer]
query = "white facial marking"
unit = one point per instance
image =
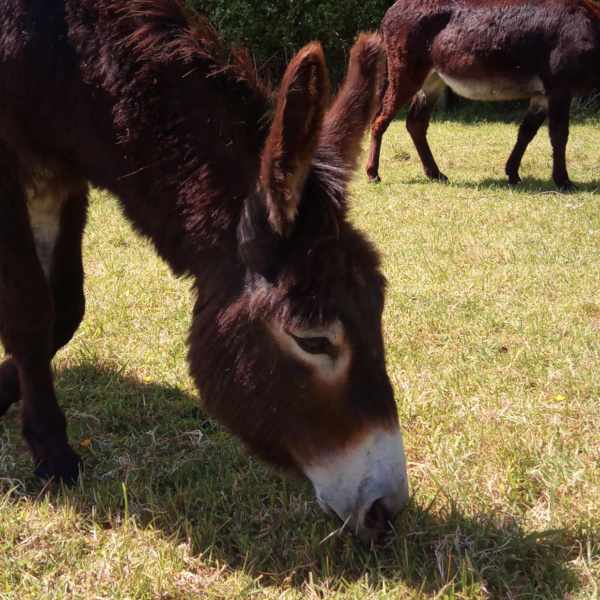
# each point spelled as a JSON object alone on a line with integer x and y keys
{"x": 44, "y": 215}
{"x": 494, "y": 89}
{"x": 349, "y": 483}
{"x": 331, "y": 364}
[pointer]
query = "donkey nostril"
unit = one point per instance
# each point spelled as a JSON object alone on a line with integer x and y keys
{"x": 378, "y": 517}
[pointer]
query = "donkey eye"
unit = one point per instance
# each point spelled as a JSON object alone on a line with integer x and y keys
{"x": 315, "y": 345}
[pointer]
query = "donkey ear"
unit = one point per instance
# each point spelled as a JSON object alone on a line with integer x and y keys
{"x": 294, "y": 135}
{"x": 354, "y": 107}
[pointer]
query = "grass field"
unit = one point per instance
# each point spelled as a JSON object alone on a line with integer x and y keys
{"x": 492, "y": 328}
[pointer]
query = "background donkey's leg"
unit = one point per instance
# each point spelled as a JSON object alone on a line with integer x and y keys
{"x": 399, "y": 90}
{"x": 559, "y": 105}
{"x": 26, "y": 330}
{"x": 532, "y": 121}
{"x": 417, "y": 122}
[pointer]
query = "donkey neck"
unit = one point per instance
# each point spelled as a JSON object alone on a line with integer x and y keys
{"x": 143, "y": 103}
{"x": 182, "y": 146}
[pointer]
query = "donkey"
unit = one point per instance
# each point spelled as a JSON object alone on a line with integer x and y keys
{"x": 245, "y": 196}
{"x": 544, "y": 50}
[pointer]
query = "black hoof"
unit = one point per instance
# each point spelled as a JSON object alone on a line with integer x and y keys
{"x": 375, "y": 179}
{"x": 62, "y": 466}
{"x": 436, "y": 176}
{"x": 568, "y": 186}
{"x": 514, "y": 180}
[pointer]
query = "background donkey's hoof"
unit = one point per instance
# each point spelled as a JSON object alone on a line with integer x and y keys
{"x": 566, "y": 185}
{"x": 438, "y": 176}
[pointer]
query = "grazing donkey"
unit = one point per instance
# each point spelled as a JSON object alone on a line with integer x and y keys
{"x": 137, "y": 97}
{"x": 545, "y": 50}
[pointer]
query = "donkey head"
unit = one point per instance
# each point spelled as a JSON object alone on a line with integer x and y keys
{"x": 300, "y": 373}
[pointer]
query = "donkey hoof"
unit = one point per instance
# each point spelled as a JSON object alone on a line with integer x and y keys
{"x": 436, "y": 175}
{"x": 375, "y": 179}
{"x": 514, "y": 180}
{"x": 568, "y": 186}
{"x": 64, "y": 468}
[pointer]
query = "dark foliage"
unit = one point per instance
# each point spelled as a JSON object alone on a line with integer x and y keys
{"x": 273, "y": 31}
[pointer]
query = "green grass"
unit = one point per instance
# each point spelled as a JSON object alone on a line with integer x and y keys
{"x": 492, "y": 328}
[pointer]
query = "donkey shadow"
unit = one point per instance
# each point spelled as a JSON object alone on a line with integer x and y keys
{"x": 532, "y": 186}
{"x": 186, "y": 477}
{"x": 529, "y": 186}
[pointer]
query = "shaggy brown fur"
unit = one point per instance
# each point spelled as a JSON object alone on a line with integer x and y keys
{"x": 138, "y": 97}
{"x": 546, "y": 50}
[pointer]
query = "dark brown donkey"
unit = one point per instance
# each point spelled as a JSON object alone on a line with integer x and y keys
{"x": 545, "y": 50}
{"x": 136, "y": 96}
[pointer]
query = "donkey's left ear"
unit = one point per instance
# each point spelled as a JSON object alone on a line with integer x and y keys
{"x": 294, "y": 135}
{"x": 354, "y": 106}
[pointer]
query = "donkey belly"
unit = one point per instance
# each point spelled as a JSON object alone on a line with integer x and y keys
{"x": 495, "y": 88}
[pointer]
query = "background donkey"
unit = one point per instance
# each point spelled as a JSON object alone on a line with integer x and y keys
{"x": 545, "y": 50}
{"x": 286, "y": 348}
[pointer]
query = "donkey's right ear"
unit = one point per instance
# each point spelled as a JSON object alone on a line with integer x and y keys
{"x": 294, "y": 135}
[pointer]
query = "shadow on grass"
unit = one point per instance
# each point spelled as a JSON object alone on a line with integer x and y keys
{"x": 532, "y": 185}
{"x": 529, "y": 185}
{"x": 186, "y": 477}
{"x": 452, "y": 552}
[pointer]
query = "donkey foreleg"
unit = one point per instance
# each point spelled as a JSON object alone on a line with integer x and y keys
{"x": 66, "y": 284}
{"x": 532, "y": 121}
{"x": 417, "y": 122}
{"x": 559, "y": 105}
{"x": 26, "y": 331}
{"x": 397, "y": 94}
{"x": 66, "y": 281}
{"x": 44, "y": 425}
